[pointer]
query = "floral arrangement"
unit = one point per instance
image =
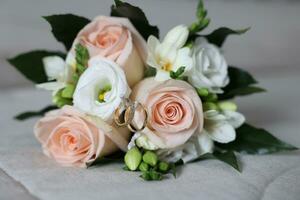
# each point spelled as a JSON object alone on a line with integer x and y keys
{"x": 163, "y": 103}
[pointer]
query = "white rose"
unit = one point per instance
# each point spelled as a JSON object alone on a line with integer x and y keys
{"x": 169, "y": 55}
{"x": 100, "y": 88}
{"x": 210, "y": 68}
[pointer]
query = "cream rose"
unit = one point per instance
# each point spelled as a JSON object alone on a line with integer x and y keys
{"x": 116, "y": 39}
{"x": 74, "y": 139}
{"x": 174, "y": 108}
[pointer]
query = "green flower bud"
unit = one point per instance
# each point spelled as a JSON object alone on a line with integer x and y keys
{"x": 209, "y": 106}
{"x": 163, "y": 166}
{"x": 68, "y": 91}
{"x": 227, "y": 105}
{"x": 133, "y": 158}
{"x": 60, "y": 101}
{"x": 150, "y": 158}
{"x": 143, "y": 167}
{"x": 203, "y": 92}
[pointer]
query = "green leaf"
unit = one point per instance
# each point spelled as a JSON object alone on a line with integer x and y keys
{"x": 178, "y": 73}
{"x": 243, "y": 91}
{"x": 227, "y": 157}
{"x": 253, "y": 140}
{"x": 136, "y": 16}
{"x": 152, "y": 175}
{"x": 68, "y": 91}
{"x": 31, "y": 64}
{"x": 29, "y": 114}
{"x": 219, "y": 36}
{"x": 240, "y": 84}
{"x": 149, "y": 72}
{"x": 66, "y": 27}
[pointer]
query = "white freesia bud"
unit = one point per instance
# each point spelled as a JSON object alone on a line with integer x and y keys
{"x": 100, "y": 88}
{"x": 54, "y": 67}
{"x": 59, "y": 70}
{"x": 218, "y": 126}
{"x": 171, "y": 54}
{"x": 210, "y": 68}
{"x": 177, "y": 36}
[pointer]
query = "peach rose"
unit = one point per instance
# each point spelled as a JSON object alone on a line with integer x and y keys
{"x": 74, "y": 139}
{"x": 174, "y": 109}
{"x": 116, "y": 39}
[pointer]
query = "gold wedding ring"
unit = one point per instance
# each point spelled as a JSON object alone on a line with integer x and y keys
{"x": 124, "y": 115}
{"x": 130, "y": 126}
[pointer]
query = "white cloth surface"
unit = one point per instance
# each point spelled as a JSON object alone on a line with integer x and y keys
{"x": 268, "y": 177}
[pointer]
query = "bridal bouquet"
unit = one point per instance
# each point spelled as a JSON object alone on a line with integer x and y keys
{"x": 119, "y": 88}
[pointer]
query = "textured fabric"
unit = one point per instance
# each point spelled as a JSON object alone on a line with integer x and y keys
{"x": 268, "y": 177}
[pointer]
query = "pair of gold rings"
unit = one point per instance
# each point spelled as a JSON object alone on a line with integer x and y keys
{"x": 124, "y": 115}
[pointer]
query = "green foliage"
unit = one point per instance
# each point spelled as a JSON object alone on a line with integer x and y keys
{"x": 219, "y": 36}
{"x": 227, "y": 157}
{"x": 136, "y": 16}
{"x": 59, "y": 100}
{"x": 30, "y": 114}
{"x": 31, "y": 64}
{"x": 82, "y": 57}
{"x": 149, "y": 72}
{"x": 178, "y": 74}
{"x": 241, "y": 83}
{"x": 253, "y": 140}
{"x": 151, "y": 175}
{"x": 66, "y": 27}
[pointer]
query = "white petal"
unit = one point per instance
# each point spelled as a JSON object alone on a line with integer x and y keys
{"x": 206, "y": 144}
{"x": 162, "y": 75}
{"x": 183, "y": 59}
{"x": 152, "y": 43}
{"x": 222, "y": 132}
{"x": 54, "y": 67}
{"x": 214, "y": 115}
{"x": 177, "y": 36}
{"x": 100, "y": 73}
{"x": 51, "y": 86}
{"x": 235, "y": 119}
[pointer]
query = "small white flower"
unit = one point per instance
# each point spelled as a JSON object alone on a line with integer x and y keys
{"x": 100, "y": 88}
{"x": 59, "y": 70}
{"x": 141, "y": 141}
{"x": 218, "y": 126}
{"x": 210, "y": 68}
{"x": 169, "y": 55}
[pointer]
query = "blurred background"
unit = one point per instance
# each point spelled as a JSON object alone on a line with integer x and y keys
{"x": 270, "y": 48}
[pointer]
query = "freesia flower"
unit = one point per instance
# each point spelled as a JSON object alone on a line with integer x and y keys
{"x": 174, "y": 109}
{"x": 74, "y": 139}
{"x": 171, "y": 54}
{"x": 219, "y": 126}
{"x": 58, "y": 71}
{"x": 116, "y": 39}
{"x": 101, "y": 88}
{"x": 210, "y": 69}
